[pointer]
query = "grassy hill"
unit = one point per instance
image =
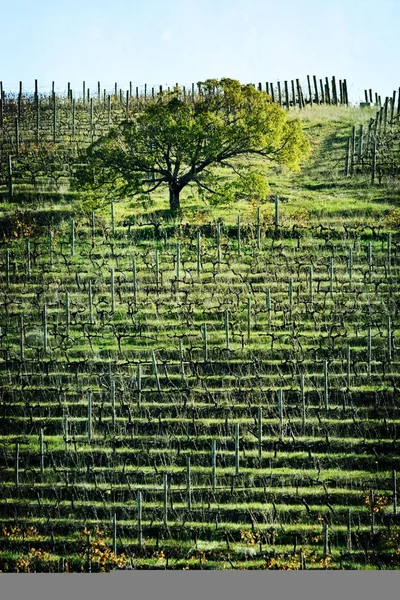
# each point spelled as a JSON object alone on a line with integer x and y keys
{"x": 182, "y": 395}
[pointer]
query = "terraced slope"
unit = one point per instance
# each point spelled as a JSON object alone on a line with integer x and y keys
{"x": 250, "y": 395}
{"x": 198, "y": 393}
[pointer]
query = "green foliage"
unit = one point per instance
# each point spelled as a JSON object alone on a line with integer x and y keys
{"x": 251, "y": 186}
{"x": 178, "y": 140}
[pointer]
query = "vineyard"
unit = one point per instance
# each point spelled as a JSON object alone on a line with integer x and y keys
{"x": 214, "y": 391}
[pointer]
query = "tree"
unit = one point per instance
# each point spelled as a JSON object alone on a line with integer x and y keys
{"x": 177, "y": 140}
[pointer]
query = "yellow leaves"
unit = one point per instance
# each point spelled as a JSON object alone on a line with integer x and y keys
{"x": 101, "y": 554}
{"x": 392, "y": 218}
{"x": 379, "y": 503}
{"x": 22, "y": 565}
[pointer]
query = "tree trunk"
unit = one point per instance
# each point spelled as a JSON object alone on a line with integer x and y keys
{"x": 174, "y": 192}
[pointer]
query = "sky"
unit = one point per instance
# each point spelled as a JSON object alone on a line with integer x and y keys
{"x": 184, "y": 41}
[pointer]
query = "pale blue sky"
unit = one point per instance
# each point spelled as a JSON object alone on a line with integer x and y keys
{"x": 184, "y": 41}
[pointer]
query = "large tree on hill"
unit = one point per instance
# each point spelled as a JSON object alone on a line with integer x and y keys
{"x": 176, "y": 140}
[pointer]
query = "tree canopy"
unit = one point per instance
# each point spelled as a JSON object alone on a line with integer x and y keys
{"x": 177, "y": 139}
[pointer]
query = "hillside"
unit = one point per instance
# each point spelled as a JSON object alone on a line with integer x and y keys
{"x": 210, "y": 392}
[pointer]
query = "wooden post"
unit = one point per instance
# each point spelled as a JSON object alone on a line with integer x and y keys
{"x": 346, "y": 96}
{"x": 352, "y": 149}
{"x": 286, "y": 95}
{"x": 20, "y": 100}
{"x": 272, "y": 92}
{"x": 153, "y": 357}
{"x": 392, "y": 105}
{"x": 219, "y": 245}
{"x": 280, "y": 411}
{"x": 92, "y": 228}
{"x": 334, "y": 91}
{"x": 178, "y": 260}
{"x": 327, "y": 91}
{"x": 348, "y": 369}
{"x": 238, "y": 235}
{"x": 389, "y": 339}
{"x": 188, "y": 484}
{"x": 293, "y": 93}
{"x": 371, "y": 504}
{"x": 347, "y": 160}
{"x": 139, "y": 520}
{"x": 309, "y": 90}
{"x": 276, "y": 213}
{"x": 198, "y": 250}
{"x": 350, "y": 266}
{"x": 385, "y": 113}
{"x": 213, "y": 465}
{"x": 248, "y": 318}
{"x": 157, "y": 268}
{"x": 28, "y": 258}
{"x": 369, "y": 255}
{"x": 303, "y": 404}
{"x": 139, "y": 383}
{"x": 51, "y": 247}
{"x": 21, "y": 339}
{"x": 236, "y": 449}
{"x": 279, "y": 93}
{"x": 89, "y": 553}
{"x": 326, "y": 539}
{"x": 114, "y": 536}
{"x": 73, "y": 119}
{"x": 258, "y": 227}
{"x": 360, "y": 143}
{"x": 112, "y": 390}
{"x": 349, "y": 549}
{"x": 321, "y": 85}
{"x": 316, "y": 90}
{"x": 72, "y": 237}
{"x": 54, "y": 117}
{"x": 112, "y": 291}
{"x": 204, "y": 332}
{"x": 8, "y": 267}
{"x": 268, "y": 303}
{"x": 326, "y": 390}
{"x": 290, "y": 295}
{"x": 16, "y": 123}
{"x": 9, "y": 178}
{"x": 226, "y": 323}
{"x": 41, "y": 445}
{"x": 112, "y": 218}
{"x": 373, "y": 169}
{"x": 17, "y": 465}
{"x": 65, "y": 428}
{"x": 369, "y": 351}
{"x": 181, "y": 363}
{"x": 91, "y": 117}
{"x": 165, "y": 499}
{"x": 67, "y": 314}
{"x": 89, "y": 417}
{"x": 135, "y": 285}
{"x": 44, "y": 325}
{"x": 299, "y": 93}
